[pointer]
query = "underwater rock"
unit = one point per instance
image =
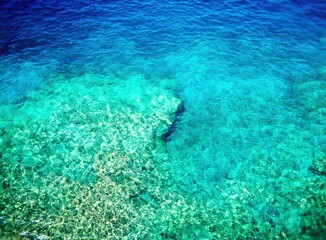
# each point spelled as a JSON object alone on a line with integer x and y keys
{"x": 319, "y": 166}
{"x": 167, "y": 136}
{"x": 70, "y": 121}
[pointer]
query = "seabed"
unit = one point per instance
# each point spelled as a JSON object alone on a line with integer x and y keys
{"x": 84, "y": 158}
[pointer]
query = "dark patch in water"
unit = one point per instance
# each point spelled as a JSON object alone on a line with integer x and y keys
{"x": 167, "y": 136}
{"x": 5, "y": 49}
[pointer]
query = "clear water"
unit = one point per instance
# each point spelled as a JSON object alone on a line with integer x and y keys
{"x": 88, "y": 89}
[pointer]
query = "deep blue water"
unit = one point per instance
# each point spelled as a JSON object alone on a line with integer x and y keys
{"x": 250, "y": 74}
{"x": 94, "y": 33}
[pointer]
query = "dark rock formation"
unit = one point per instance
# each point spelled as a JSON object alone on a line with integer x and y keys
{"x": 167, "y": 136}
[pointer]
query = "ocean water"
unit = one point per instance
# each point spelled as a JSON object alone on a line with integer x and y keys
{"x": 162, "y": 119}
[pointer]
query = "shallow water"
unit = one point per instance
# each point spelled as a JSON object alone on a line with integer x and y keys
{"x": 89, "y": 88}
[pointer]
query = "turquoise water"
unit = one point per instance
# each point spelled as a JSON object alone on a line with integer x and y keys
{"x": 162, "y": 120}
